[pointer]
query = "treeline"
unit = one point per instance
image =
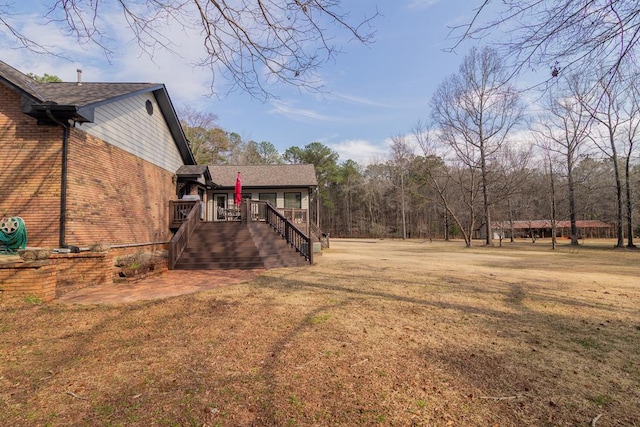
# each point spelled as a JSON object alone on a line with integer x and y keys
{"x": 403, "y": 195}
{"x": 483, "y": 156}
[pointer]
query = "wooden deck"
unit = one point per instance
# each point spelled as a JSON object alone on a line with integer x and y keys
{"x": 185, "y": 218}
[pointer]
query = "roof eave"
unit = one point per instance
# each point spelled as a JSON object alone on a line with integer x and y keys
{"x": 63, "y": 113}
{"x": 169, "y": 113}
{"x": 166, "y": 107}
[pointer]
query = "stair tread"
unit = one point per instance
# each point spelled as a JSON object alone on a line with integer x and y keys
{"x": 221, "y": 245}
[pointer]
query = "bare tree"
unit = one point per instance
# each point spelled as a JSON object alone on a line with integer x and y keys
{"x": 563, "y": 131}
{"x": 604, "y": 105}
{"x": 631, "y": 132}
{"x": 249, "y": 42}
{"x": 550, "y": 165}
{"x": 350, "y": 188}
{"x": 401, "y": 155}
{"x": 457, "y": 191}
{"x": 565, "y": 36}
{"x": 260, "y": 153}
{"x": 475, "y": 110}
{"x": 376, "y": 194}
{"x": 512, "y": 167}
{"x": 209, "y": 142}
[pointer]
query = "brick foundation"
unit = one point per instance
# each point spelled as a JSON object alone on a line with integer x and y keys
{"x": 62, "y": 273}
{"x": 77, "y": 271}
{"x": 37, "y": 278}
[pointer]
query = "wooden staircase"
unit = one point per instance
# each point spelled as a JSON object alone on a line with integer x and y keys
{"x": 237, "y": 245}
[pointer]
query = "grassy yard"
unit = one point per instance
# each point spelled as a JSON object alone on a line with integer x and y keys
{"x": 377, "y": 332}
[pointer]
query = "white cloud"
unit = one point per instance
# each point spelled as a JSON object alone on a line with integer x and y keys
{"x": 359, "y": 150}
{"x": 421, "y": 4}
{"x": 172, "y": 64}
{"x": 358, "y": 100}
{"x": 289, "y": 110}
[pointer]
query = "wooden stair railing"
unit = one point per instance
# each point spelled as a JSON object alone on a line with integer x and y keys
{"x": 181, "y": 238}
{"x": 263, "y": 210}
{"x": 178, "y": 211}
{"x": 323, "y": 237}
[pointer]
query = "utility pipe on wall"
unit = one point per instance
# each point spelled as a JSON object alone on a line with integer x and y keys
{"x": 63, "y": 179}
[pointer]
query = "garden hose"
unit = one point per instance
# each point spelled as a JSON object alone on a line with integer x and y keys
{"x": 13, "y": 234}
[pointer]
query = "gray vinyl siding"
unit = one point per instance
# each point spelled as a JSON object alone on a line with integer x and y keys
{"x": 127, "y": 125}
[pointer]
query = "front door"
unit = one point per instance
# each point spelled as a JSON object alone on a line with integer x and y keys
{"x": 220, "y": 208}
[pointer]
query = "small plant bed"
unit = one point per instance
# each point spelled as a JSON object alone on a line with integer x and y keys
{"x": 131, "y": 268}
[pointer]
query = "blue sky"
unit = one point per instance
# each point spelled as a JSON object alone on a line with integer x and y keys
{"x": 371, "y": 92}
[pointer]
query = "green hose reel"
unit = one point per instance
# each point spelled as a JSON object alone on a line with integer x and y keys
{"x": 13, "y": 234}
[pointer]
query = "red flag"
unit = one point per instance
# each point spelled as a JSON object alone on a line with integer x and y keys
{"x": 238, "y": 196}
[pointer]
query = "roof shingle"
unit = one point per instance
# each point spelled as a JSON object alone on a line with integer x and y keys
{"x": 66, "y": 93}
{"x": 77, "y": 102}
{"x": 265, "y": 175}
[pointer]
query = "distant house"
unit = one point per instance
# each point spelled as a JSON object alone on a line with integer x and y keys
{"x": 84, "y": 163}
{"x": 542, "y": 229}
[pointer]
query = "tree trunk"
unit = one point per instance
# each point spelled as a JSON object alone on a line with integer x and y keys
{"x": 627, "y": 185}
{"x": 485, "y": 194}
{"x": 404, "y": 220}
{"x": 616, "y": 171}
{"x": 572, "y": 201}
{"x": 553, "y": 207}
{"x": 446, "y": 226}
{"x": 511, "y": 239}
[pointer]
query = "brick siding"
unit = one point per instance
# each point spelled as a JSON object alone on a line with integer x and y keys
{"x": 113, "y": 197}
{"x": 29, "y": 171}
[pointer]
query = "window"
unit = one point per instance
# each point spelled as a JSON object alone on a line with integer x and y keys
{"x": 293, "y": 200}
{"x": 268, "y": 197}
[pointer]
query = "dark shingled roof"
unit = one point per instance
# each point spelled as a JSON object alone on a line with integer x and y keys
{"x": 194, "y": 171}
{"x": 92, "y": 93}
{"x": 76, "y": 102}
{"x": 19, "y": 81}
{"x": 265, "y": 176}
{"x": 64, "y": 93}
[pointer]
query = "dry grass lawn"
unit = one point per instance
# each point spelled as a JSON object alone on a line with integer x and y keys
{"x": 377, "y": 332}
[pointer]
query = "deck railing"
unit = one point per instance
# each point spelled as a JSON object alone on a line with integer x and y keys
{"x": 315, "y": 231}
{"x": 297, "y": 216}
{"x": 185, "y": 215}
{"x": 189, "y": 213}
{"x": 264, "y": 211}
{"x": 178, "y": 211}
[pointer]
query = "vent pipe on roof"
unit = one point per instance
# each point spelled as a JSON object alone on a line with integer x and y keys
{"x": 79, "y": 77}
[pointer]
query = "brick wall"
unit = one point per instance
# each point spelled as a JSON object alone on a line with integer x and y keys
{"x": 36, "y": 279}
{"x": 113, "y": 197}
{"x": 76, "y": 271}
{"x": 30, "y": 158}
{"x": 63, "y": 273}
